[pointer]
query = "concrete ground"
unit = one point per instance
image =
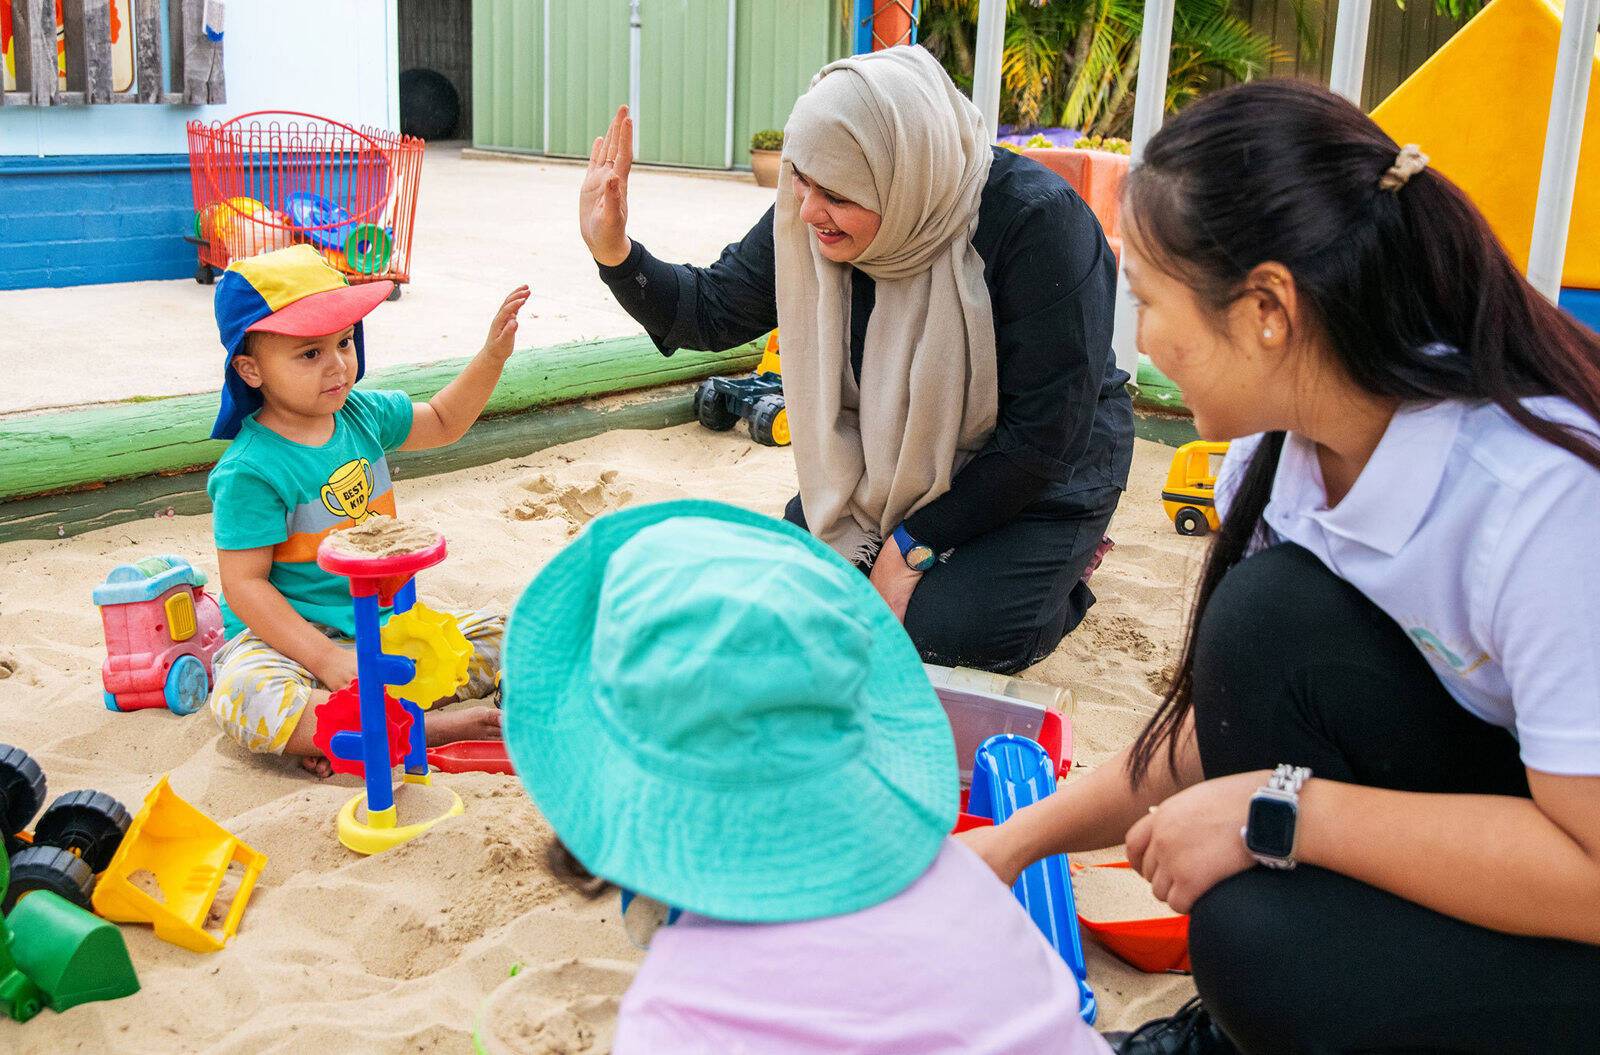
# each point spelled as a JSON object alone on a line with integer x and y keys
{"x": 483, "y": 227}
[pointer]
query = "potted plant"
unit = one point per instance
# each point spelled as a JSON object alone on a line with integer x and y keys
{"x": 766, "y": 147}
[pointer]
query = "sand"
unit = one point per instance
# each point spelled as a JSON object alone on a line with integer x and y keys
{"x": 563, "y": 1008}
{"x": 381, "y": 536}
{"x": 399, "y": 952}
{"x": 1108, "y": 895}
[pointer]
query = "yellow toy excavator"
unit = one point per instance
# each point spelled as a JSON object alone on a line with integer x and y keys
{"x": 721, "y": 402}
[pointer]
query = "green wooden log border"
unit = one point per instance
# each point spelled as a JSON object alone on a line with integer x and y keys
{"x": 1155, "y": 391}
{"x": 50, "y": 452}
{"x": 490, "y": 440}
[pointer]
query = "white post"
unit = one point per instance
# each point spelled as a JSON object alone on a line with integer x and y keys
{"x": 544, "y": 73}
{"x": 392, "y": 49}
{"x": 986, "y": 61}
{"x": 1350, "y": 49}
{"x": 1563, "y": 139}
{"x": 635, "y": 48}
{"x": 733, "y": 59}
{"x": 1149, "y": 106}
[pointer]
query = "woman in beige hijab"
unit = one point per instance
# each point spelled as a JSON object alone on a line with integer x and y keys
{"x": 960, "y": 428}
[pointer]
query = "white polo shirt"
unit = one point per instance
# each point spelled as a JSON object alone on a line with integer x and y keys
{"x": 1483, "y": 542}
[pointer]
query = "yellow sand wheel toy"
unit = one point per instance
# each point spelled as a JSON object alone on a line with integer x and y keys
{"x": 434, "y": 642}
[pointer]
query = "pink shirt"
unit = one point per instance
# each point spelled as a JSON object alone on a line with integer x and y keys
{"x": 951, "y": 964}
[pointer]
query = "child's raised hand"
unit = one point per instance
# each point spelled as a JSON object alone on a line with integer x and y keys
{"x": 503, "y": 331}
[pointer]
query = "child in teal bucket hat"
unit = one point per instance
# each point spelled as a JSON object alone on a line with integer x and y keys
{"x": 716, "y": 711}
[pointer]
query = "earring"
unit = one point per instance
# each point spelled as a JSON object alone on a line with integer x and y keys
{"x": 1266, "y": 335}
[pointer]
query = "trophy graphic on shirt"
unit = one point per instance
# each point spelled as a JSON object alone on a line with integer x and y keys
{"x": 349, "y": 489}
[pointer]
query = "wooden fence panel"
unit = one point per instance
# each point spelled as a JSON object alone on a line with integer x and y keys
{"x": 88, "y": 30}
{"x": 1398, "y": 41}
{"x": 34, "y": 33}
{"x": 196, "y": 59}
{"x": 147, "y": 53}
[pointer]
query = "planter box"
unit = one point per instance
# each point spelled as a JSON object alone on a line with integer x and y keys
{"x": 1097, "y": 176}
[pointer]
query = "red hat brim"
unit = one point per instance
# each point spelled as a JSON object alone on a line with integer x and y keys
{"x": 327, "y": 312}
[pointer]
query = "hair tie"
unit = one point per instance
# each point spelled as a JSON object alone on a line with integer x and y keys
{"x": 1407, "y": 163}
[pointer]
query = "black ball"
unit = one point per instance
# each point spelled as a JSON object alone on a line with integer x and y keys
{"x": 430, "y": 107}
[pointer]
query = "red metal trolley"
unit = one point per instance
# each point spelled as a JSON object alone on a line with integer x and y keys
{"x": 276, "y": 178}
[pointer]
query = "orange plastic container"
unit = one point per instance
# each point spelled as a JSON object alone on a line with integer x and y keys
{"x": 1155, "y": 946}
{"x": 471, "y": 756}
{"x": 1097, "y": 176}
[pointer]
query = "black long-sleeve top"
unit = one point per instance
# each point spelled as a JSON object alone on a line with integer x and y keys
{"x": 1065, "y": 422}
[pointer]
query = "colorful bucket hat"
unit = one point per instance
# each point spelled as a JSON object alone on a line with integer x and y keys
{"x": 715, "y": 710}
{"x": 292, "y": 291}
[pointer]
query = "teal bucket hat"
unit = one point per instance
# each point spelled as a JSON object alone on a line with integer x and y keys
{"x": 714, "y": 709}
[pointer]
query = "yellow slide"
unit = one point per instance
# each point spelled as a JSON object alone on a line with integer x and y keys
{"x": 1478, "y": 108}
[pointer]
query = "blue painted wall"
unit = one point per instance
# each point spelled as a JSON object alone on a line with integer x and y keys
{"x": 70, "y": 221}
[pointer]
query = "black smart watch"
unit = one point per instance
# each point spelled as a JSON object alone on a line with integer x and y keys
{"x": 1270, "y": 827}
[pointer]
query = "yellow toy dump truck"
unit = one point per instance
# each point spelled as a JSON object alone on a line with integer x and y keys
{"x": 1188, "y": 495}
{"x": 720, "y": 403}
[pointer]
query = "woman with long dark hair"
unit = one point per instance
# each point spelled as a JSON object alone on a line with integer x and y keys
{"x": 1389, "y": 681}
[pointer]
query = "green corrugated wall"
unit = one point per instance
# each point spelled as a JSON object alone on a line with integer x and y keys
{"x": 588, "y": 70}
{"x": 780, "y": 44}
{"x": 508, "y": 74}
{"x": 683, "y": 83}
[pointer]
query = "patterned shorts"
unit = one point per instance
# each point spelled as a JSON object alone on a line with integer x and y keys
{"x": 259, "y": 693}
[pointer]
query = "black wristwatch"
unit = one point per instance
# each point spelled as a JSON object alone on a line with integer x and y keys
{"x": 1271, "y": 826}
{"x": 917, "y": 556}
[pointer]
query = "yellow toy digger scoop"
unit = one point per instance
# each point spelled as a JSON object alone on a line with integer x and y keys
{"x": 184, "y": 856}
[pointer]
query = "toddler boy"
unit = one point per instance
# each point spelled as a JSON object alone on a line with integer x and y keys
{"x": 308, "y": 457}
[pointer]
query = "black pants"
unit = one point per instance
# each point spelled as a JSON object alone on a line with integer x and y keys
{"x": 1295, "y": 665}
{"x": 1004, "y": 600}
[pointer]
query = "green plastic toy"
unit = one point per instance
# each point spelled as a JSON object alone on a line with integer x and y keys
{"x": 54, "y": 954}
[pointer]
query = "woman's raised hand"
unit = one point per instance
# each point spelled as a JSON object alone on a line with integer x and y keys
{"x": 603, "y": 202}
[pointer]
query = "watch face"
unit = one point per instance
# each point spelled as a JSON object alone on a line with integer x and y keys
{"x": 919, "y": 557}
{"x": 1270, "y": 830}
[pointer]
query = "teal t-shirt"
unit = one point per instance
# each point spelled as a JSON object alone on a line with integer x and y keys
{"x": 270, "y": 491}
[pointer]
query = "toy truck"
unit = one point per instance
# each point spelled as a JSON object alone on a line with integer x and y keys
{"x": 1189, "y": 493}
{"x": 72, "y": 842}
{"x": 720, "y": 403}
{"x": 162, "y": 632}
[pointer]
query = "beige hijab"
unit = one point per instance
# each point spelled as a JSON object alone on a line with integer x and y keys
{"x": 890, "y": 132}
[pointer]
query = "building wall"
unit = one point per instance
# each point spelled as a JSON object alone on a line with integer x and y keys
{"x": 779, "y": 45}
{"x": 102, "y": 193}
{"x": 437, "y": 35}
{"x": 782, "y": 45}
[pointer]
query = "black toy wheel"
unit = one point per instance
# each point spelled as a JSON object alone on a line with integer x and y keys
{"x": 769, "y": 425}
{"x": 1190, "y": 521}
{"x": 52, "y": 869}
{"x": 22, "y": 790}
{"x": 709, "y": 410}
{"x": 89, "y": 823}
{"x": 394, "y": 294}
{"x": 205, "y": 276}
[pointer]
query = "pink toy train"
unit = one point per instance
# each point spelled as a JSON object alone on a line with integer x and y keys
{"x": 162, "y": 632}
